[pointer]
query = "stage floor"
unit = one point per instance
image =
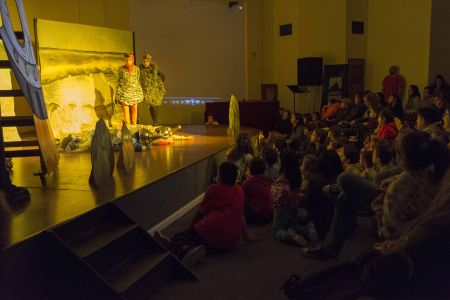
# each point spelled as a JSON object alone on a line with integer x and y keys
{"x": 68, "y": 193}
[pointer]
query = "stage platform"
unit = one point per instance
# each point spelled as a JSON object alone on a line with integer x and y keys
{"x": 165, "y": 179}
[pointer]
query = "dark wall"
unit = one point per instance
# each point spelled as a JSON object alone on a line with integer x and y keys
{"x": 440, "y": 40}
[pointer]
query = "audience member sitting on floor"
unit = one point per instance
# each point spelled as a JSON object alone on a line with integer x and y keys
{"x": 258, "y": 195}
{"x": 307, "y": 168}
{"x": 369, "y": 119}
{"x": 241, "y": 155}
{"x": 401, "y": 198}
{"x": 386, "y": 126}
{"x": 342, "y": 112}
{"x": 383, "y": 160}
{"x": 315, "y": 119}
{"x": 439, "y": 85}
{"x": 440, "y": 104}
{"x": 358, "y": 108}
{"x": 287, "y": 199}
{"x": 211, "y": 121}
{"x": 321, "y": 205}
{"x": 335, "y": 134}
{"x": 395, "y": 105}
{"x": 316, "y": 144}
{"x": 218, "y": 223}
{"x": 271, "y": 158}
{"x": 366, "y": 162}
{"x": 428, "y": 120}
{"x": 408, "y": 195}
{"x": 284, "y": 126}
{"x": 414, "y": 102}
{"x": 349, "y": 155}
{"x": 307, "y": 118}
{"x": 427, "y": 96}
{"x": 372, "y": 102}
{"x": 413, "y": 266}
{"x": 446, "y": 122}
{"x": 334, "y": 145}
{"x": 297, "y": 127}
{"x": 329, "y": 110}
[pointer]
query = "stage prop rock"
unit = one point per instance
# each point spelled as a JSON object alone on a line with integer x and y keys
{"x": 126, "y": 154}
{"x": 233, "y": 117}
{"x": 102, "y": 156}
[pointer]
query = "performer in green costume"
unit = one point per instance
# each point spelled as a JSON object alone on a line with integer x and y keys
{"x": 152, "y": 82}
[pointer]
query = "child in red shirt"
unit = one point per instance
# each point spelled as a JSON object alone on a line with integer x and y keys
{"x": 387, "y": 128}
{"x": 218, "y": 223}
{"x": 258, "y": 195}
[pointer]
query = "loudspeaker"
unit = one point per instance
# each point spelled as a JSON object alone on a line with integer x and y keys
{"x": 309, "y": 71}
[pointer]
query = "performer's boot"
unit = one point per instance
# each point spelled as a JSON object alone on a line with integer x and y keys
{"x": 154, "y": 112}
{"x": 12, "y": 193}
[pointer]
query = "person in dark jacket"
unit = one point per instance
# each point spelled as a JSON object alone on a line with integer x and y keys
{"x": 284, "y": 126}
{"x": 358, "y": 108}
{"x": 395, "y": 105}
{"x": 343, "y": 111}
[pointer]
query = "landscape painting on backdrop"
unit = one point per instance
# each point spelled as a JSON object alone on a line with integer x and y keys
{"x": 79, "y": 67}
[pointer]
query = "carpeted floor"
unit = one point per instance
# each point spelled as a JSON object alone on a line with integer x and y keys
{"x": 255, "y": 270}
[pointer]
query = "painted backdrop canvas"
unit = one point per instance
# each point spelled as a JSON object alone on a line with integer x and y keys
{"x": 79, "y": 72}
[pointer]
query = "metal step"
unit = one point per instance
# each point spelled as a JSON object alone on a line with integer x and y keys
{"x": 22, "y": 153}
{"x": 12, "y": 144}
{"x": 11, "y": 93}
{"x": 5, "y": 64}
{"x": 14, "y": 121}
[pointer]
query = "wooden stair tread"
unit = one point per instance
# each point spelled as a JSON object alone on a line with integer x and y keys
{"x": 11, "y": 93}
{"x": 22, "y": 153}
{"x": 11, "y": 121}
{"x": 5, "y": 64}
{"x": 90, "y": 241}
{"x": 134, "y": 268}
{"x": 31, "y": 143}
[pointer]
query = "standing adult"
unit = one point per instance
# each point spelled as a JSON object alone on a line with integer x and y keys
{"x": 152, "y": 82}
{"x": 129, "y": 91}
{"x": 394, "y": 83}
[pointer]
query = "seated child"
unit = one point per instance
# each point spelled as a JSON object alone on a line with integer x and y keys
{"x": 270, "y": 156}
{"x": 287, "y": 199}
{"x": 366, "y": 161}
{"x": 257, "y": 192}
{"x": 349, "y": 155}
{"x": 218, "y": 223}
{"x": 211, "y": 121}
{"x": 386, "y": 126}
{"x": 382, "y": 159}
{"x": 307, "y": 170}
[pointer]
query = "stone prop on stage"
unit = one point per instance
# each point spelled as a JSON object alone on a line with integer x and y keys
{"x": 126, "y": 154}
{"x": 143, "y": 136}
{"x": 233, "y": 117}
{"x": 102, "y": 156}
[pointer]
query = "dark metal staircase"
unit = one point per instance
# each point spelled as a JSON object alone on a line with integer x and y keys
{"x": 11, "y": 149}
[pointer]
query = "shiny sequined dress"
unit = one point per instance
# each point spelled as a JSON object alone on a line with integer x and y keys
{"x": 129, "y": 90}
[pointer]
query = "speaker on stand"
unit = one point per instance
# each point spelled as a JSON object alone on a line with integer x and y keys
{"x": 309, "y": 74}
